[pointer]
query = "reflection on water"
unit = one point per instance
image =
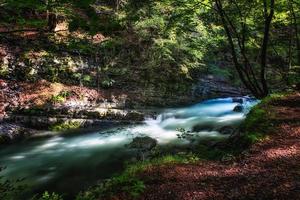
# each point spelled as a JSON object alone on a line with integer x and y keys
{"x": 67, "y": 164}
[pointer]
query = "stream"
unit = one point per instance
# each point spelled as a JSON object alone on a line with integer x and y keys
{"x": 69, "y": 163}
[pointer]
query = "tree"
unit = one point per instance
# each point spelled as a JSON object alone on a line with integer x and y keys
{"x": 237, "y": 34}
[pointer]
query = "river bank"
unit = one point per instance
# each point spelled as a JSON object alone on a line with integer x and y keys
{"x": 260, "y": 163}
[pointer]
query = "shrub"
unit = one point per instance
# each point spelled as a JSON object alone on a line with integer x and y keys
{"x": 61, "y": 97}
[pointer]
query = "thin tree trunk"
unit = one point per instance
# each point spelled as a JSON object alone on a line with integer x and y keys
{"x": 117, "y": 5}
{"x": 47, "y": 12}
{"x": 264, "y": 48}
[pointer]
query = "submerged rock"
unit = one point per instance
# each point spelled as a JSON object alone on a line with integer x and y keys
{"x": 143, "y": 143}
{"x": 238, "y": 108}
{"x": 202, "y": 127}
{"x": 144, "y": 146}
{"x": 226, "y": 130}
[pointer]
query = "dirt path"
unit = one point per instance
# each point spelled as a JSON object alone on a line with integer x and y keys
{"x": 270, "y": 170}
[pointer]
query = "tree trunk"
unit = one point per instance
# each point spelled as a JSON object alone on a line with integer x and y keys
{"x": 245, "y": 79}
{"x": 264, "y": 47}
{"x": 52, "y": 22}
{"x": 117, "y": 5}
{"x": 295, "y": 25}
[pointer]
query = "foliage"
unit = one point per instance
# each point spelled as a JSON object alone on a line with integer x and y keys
{"x": 160, "y": 46}
{"x": 61, "y": 97}
{"x": 48, "y": 196}
{"x": 65, "y": 126}
{"x": 9, "y": 189}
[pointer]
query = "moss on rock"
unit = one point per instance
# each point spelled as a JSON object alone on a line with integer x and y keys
{"x": 65, "y": 126}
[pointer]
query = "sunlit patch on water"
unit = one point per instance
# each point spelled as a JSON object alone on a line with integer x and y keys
{"x": 17, "y": 157}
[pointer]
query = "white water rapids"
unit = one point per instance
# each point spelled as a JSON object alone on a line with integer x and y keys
{"x": 70, "y": 163}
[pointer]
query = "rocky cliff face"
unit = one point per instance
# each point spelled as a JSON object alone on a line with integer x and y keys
{"x": 209, "y": 87}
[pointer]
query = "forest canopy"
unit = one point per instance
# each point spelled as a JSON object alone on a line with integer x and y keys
{"x": 166, "y": 41}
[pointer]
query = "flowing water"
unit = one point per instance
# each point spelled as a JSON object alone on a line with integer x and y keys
{"x": 67, "y": 164}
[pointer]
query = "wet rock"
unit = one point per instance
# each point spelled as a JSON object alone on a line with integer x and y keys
{"x": 226, "y": 130}
{"x": 209, "y": 87}
{"x": 143, "y": 143}
{"x": 94, "y": 114}
{"x": 238, "y": 108}
{"x": 238, "y": 100}
{"x": 11, "y": 132}
{"x": 135, "y": 116}
{"x": 250, "y": 98}
{"x": 144, "y": 146}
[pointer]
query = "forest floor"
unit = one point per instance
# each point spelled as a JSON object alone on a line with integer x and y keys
{"x": 270, "y": 169}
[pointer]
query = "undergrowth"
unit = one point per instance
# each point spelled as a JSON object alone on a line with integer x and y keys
{"x": 259, "y": 120}
{"x": 128, "y": 182}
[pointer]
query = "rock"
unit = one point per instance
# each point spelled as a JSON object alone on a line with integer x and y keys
{"x": 209, "y": 87}
{"x": 93, "y": 114}
{"x": 249, "y": 98}
{"x": 238, "y": 100}
{"x": 238, "y": 108}
{"x": 135, "y": 116}
{"x": 226, "y": 130}
{"x": 3, "y": 84}
{"x": 143, "y": 143}
{"x": 11, "y": 132}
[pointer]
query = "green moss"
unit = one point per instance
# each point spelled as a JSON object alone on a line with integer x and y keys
{"x": 259, "y": 121}
{"x": 254, "y": 137}
{"x": 64, "y": 126}
{"x": 256, "y": 120}
{"x": 4, "y": 71}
